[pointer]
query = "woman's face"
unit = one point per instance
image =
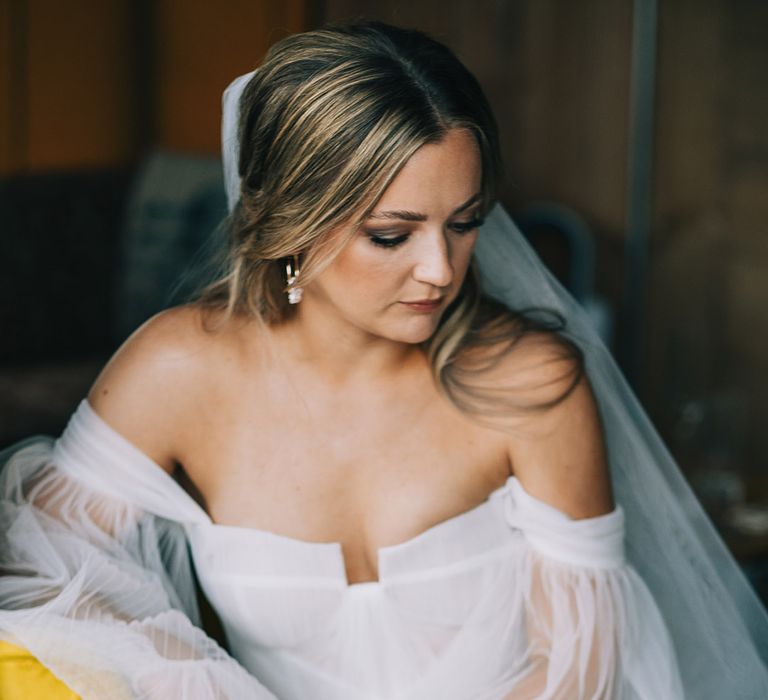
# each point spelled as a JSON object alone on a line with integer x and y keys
{"x": 406, "y": 263}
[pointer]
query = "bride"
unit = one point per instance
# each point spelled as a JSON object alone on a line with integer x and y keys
{"x": 403, "y": 476}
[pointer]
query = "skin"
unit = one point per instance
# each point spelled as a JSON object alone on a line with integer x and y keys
{"x": 329, "y": 428}
{"x": 358, "y": 300}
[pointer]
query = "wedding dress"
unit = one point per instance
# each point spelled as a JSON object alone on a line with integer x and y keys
{"x": 512, "y": 600}
{"x": 508, "y": 601}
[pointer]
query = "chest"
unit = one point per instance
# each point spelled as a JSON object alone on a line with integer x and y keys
{"x": 367, "y": 473}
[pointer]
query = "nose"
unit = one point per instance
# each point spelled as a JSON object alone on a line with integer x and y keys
{"x": 433, "y": 263}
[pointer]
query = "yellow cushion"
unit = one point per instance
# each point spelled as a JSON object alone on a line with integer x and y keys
{"x": 23, "y": 677}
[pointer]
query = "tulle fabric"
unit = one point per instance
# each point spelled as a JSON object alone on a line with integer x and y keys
{"x": 512, "y": 599}
{"x": 96, "y": 580}
{"x": 718, "y": 626}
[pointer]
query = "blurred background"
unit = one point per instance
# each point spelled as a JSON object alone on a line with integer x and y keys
{"x": 635, "y": 136}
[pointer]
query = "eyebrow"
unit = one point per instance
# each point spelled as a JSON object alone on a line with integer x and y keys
{"x": 405, "y": 215}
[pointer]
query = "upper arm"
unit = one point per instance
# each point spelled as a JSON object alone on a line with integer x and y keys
{"x": 558, "y": 453}
{"x": 145, "y": 390}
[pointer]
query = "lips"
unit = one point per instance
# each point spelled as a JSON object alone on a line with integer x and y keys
{"x": 424, "y": 305}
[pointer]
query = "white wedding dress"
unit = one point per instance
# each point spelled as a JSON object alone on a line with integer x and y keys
{"x": 511, "y": 599}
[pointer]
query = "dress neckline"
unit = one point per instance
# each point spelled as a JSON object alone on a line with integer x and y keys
{"x": 196, "y": 516}
{"x": 336, "y": 547}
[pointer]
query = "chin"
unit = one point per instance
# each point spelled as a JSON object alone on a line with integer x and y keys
{"x": 416, "y": 334}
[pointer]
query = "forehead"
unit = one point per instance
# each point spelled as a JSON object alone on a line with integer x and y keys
{"x": 438, "y": 176}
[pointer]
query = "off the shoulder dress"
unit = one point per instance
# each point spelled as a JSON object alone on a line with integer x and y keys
{"x": 509, "y": 600}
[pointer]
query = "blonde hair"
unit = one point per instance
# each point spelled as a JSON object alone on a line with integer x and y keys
{"x": 326, "y": 123}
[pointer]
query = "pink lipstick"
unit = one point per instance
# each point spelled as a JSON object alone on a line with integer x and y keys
{"x": 423, "y": 305}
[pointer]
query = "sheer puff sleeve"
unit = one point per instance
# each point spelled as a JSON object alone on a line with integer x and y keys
{"x": 594, "y": 630}
{"x": 96, "y": 580}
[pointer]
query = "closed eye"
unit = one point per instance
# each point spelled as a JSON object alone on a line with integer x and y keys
{"x": 387, "y": 241}
{"x": 465, "y": 226}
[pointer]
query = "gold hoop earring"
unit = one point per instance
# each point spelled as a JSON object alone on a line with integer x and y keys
{"x": 292, "y": 272}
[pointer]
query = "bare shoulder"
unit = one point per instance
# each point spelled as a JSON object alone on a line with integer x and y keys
{"x": 145, "y": 391}
{"x": 558, "y": 450}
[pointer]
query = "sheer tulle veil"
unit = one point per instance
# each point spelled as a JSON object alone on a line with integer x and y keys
{"x": 718, "y": 625}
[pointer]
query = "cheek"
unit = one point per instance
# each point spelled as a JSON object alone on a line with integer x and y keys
{"x": 367, "y": 271}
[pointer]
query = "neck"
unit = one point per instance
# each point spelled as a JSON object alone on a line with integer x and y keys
{"x": 341, "y": 353}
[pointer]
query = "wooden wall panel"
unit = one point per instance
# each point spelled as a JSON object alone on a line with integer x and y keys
{"x": 11, "y": 111}
{"x": 707, "y": 328}
{"x": 200, "y": 47}
{"x": 97, "y": 83}
{"x": 79, "y": 83}
{"x": 572, "y": 143}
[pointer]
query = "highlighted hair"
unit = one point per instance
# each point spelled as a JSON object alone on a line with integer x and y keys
{"x": 326, "y": 123}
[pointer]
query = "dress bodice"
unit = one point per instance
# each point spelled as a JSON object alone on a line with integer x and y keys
{"x": 289, "y": 612}
{"x": 512, "y": 593}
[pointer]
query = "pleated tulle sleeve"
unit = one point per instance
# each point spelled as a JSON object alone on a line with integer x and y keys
{"x": 594, "y": 630}
{"x": 96, "y": 580}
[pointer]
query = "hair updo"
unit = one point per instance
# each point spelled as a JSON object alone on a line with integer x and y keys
{"x": 326, "y": 123}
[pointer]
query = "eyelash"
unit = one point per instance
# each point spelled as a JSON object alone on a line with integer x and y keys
{"x": 459, "y": 227}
